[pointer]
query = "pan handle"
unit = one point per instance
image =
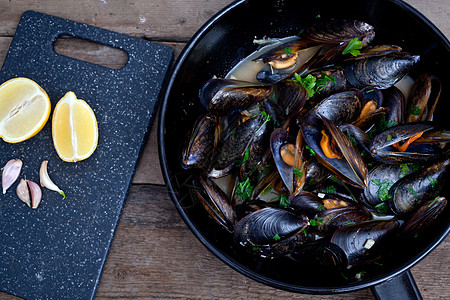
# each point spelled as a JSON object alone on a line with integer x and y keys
{"x": 400, "y": 287}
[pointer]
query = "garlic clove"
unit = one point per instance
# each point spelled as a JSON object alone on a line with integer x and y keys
{"x": 23, "y": 193}
{"x": 45, "y": 180}
{"x": 36, "y": 193}
{"x": 10, "y": 173}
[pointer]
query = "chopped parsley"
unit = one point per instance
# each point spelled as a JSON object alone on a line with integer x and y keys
{"x": 406, "y": 168}
{"x": 329, "y": 190}
{"x": 382, "y": 208}
{"x": 318, "y": 16}
{"x": 288, "y": 50}
{"x": 304, "y": 232}
{"x": 383, "y": 190}
{"x": 433, "y": 181}
{"x": 353, "y": 47}
{"x": 415, "y": 110}
{"x": 284, "y": 201}
{"x": 314, "y": 84}
{"x": 352, "y": 139}
{"x": 297, "y": 172}
{"x": 315, "y": 222}
{"x": 435, "y": 199}
{"x": 349, "y": 223}
{"x": 369, "y": 91}
{"x": 377, "y": 263}
{"x": 244, "y": 189}
{"x": 256, "y": 248}
{"x": 276, "y": 237}
{"x": 246, "y": 155}
{"x": 321, "y": 208}
{"x": 413, "y": 192}
{"x": 389, "y": 138}
{"x": 268, "y": 118}
{"x": 311, "y": 151}
{"x": 334, "y": 178}
{"x": 301, "y": 31}
{"x": 344, "y": 276}
{"x": 381, "y": 126}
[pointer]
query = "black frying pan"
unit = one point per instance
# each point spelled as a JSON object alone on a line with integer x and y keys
{"x": 220, "y": 44}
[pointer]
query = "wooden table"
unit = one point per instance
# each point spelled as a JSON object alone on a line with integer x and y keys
{"x": 153, "y": 254}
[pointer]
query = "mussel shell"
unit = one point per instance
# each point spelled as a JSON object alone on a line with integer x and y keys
{"x": 411, "y": 191}
{"x": 395, "y": 101}
{"x": 379, "y": 71}
{"x": 278, "y": 138}
{"x": 306, "y": 202}
{"x": 332, "y": 219}
{"x": 376, "y": 50}
{"x": 387, "y": 173}
{"x": 322, "y": 254}
{"x": 291, "y": 98}
{"x": 382, "y": 148}
{"x": 234, "y": 147}
{"x": 201, "y": 144}
{"x": 315, "y": 172}
{"x": 268, "y": 227}
{"x": 222, "y": 95}
{"x": 217, "y": 204}
{"x": 339, "y": 108}
{"x": 360, "y": 136}
{"x": 353, "y": 240}
{"x": 424, "y": 217}
{"x": 420, "y": 93}
{"x": 340, "y": 83}
{"x": 337, "y": 31}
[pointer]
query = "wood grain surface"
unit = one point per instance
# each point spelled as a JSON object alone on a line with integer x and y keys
{"x": 154, "y": 255}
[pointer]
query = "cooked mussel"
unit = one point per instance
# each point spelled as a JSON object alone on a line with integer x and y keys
{"x": 271, "y": 231}
{"x": 422, "y": 102}
{"x": 202, "y": 143}
{"x": 363, "y": 243}
{"x": 398, "y": 143}
{"x": 321, "y": 254}
{"x": 221, "y": 95}
{"x": 411, "y": 191}
{"x": 379, "y": 71}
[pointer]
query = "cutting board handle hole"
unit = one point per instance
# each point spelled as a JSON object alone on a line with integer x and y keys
{"x": 95, "y": 53}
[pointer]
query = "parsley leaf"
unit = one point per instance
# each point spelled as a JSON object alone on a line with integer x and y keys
{"x": 329, "y": 190}
{"x": 382, "y": 208}
{"x": 244, "y": 189}
{"x": 284, "y": 201}
{"x": 321, "y": 208}
{"x": 314, "y": 84}
{"x": 435, "y": 199}
{"x": 288, "y": 50}
{"x": 353, "y": 47}
{"x": 297, "y": 172}
{"x": 276, "y": 237}
{"x": 433, "y": 181}
{"x": 415, "y": 110}
{"x": 315, "y": 222}
{"x": 413, "y": 192}
{"x": 349, "y": 223}
{"x": 246, "y": 155}
{"x": 383, "y": 190}
{"x": 311, "y": 151}
{"x": 268, "y": 118}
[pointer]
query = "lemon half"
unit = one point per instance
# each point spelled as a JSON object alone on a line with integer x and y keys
{"x": 74, "y": 128}
{"x": 24, "y": 109}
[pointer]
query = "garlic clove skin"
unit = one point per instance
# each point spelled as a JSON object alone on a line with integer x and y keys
{"x": 23, "y": 192}
{"x": 45, "y": 180}
{"x": 11, "y": 172}
{"x": 36, "y": 193}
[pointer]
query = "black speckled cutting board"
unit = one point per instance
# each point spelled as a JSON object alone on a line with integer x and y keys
{"x": 58, "y": 250}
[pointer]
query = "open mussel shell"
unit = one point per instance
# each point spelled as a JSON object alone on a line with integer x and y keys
{"x": 338, "y": 31}
{"x": 360, "y": 136}
{"x": 379, "y": 71}
{"x": 382, "y": 178}
{"x": 322, "y": 254}
{"x": 197, "y": 153}
{"x": 422, "y": 218}
{"x": 411, "y": 191}
{"x": 271, "y": 231}
{"x": 306, "y": 202}
{"x": 364, "y": 242}
{"x": 221, "y": 95}
{"x": 423, "y": 99}
{"x": 235, "y": 146}
{"x": 217, "y": 204}
{"x": 351, "y": 167}
{"x": 281, "y": 138}
{"x": 382, "y": 146}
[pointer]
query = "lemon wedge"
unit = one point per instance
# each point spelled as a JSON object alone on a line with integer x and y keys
{"x": 24, "y": 109}
{"x": 74, "y": 128}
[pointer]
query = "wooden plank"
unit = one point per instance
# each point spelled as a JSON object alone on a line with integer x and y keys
{"x": 156, "y": 19}
{"x": 155, "y": 255}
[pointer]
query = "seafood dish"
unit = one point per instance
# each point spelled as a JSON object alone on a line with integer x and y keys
{"x": 321, "y": 148}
